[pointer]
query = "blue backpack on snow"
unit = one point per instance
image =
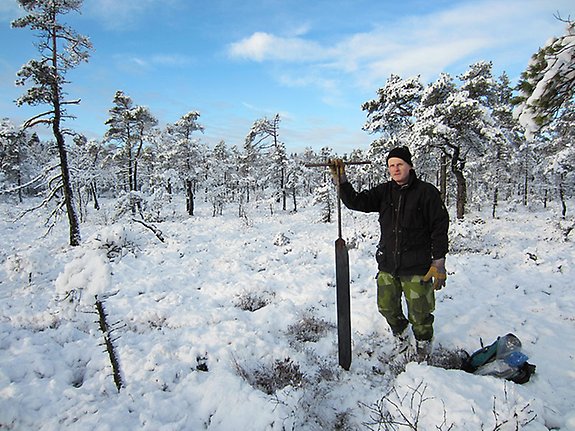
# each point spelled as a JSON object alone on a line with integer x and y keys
{"x": 503, "y": 358}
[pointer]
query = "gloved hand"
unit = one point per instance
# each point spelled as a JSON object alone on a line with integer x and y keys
{"x": 337, "y": 168}
{"x": 437, "y": 272}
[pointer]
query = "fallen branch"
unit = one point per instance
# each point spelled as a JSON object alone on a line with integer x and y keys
{"x": 106, "y": 330}
{"x": 153, "y": 228}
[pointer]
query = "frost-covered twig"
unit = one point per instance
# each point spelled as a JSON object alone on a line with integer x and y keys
{"x": 405, "y": 411}
{"x": 519, "y": 417}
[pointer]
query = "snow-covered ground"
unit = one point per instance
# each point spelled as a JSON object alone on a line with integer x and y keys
{"x": 230, "y": 325}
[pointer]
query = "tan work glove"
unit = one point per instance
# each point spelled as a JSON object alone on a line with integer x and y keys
{"x": 437, "y": 272}
{"x": 337, "y": 169}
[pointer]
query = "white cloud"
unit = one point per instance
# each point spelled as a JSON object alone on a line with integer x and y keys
{"x": 425, "y": 60}
{"x": 151, "y": 61}
{"x": 417, "y": 45}
{"x": 262, "y": 46}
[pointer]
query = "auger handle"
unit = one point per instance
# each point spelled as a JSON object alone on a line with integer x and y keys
{"x": 317, "y": 165}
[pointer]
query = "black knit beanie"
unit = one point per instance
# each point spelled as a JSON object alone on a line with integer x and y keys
{"x": 402, "y": 153}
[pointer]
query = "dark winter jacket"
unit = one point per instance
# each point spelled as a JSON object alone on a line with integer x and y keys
{"x": 413, "y": 222}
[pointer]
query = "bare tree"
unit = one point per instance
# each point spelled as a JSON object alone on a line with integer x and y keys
{"x": 61, "y": 49}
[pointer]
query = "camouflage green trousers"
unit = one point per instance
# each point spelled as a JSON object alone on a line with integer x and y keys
{"x": 420, "y": 298}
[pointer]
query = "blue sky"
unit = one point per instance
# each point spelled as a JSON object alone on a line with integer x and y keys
{"x": 313, "y": 62}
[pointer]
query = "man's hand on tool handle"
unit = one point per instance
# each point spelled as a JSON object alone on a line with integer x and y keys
{"x": 337, "y": 168}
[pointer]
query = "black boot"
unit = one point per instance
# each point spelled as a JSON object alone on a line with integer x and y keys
{"x": 423, "y": 350}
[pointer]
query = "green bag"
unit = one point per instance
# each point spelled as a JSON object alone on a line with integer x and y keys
{"x": 502, "y": 358}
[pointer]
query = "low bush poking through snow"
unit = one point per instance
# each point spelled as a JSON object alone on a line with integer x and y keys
{"x": 253, "y": 301}
{"x": 273, "y": 377}
{"x": 309, "y": 329}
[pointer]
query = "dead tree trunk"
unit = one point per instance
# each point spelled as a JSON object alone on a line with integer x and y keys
{"x": 107, "y": 330}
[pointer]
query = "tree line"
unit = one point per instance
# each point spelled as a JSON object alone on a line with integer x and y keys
{"x": 478, "y": 138}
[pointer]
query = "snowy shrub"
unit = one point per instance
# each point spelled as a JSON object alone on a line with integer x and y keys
{"x": 281, "y": 239}
{"x": 323, "y": 198}
{"x": 412, "y": 405}
{"x": 566, "y": 227}
{"x": 395, "y": 411}
{"x": 157, "y": 323}
{"x": 128, "y": 203}
{"x": 26, "y": 265}
{"x": 272, "y": 377}
{"x": 466, "y": 236}
{"x": 16, "y": 266}
{"x": 202, "y": 363}
{"x": 355, "y": 239}
{"x": 87, "y": 275}
{"x": 116, "y": 241}
{"x": 145, "y": 321}
{"x": 147, "y": 207}
{"x": 312, "y": 407}
{"x": 152, "y": 208}
{"x": 253, "y": 301}
{"x": 342, "y": 422}
{"x": 309, "y": 329}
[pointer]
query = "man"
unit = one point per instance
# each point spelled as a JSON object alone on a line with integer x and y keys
{"x": 412, "y": 248}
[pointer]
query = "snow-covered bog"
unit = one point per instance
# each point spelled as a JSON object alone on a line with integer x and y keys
{"x": 230, "y": 324}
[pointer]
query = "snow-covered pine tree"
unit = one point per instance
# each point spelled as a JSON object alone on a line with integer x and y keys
{"x": 87, "y": 164}
{"x": 376, "y": 154}
{"x": 147, "y": 137}
{"x": 507, "y": 150}
{"x": 61, "y": 49}
{"x": 457, "y": 126}
{"x": 362, "y": 175}
{"x": 311, "y": 176}
{"x": 324, "y": 193}
{"x": 548, "y": 83}
{"x": 164, "y": 174}
{"x": 220, "y": 176}
{"x": 324, "y": 196}
{"x": 267, "y": 153}
{"x": 121, "y": 131}
{"x": 545, "y": 107}
{"x": 295, "y": 178}
{"x": 12, "y": 147}
{"x": 277, "y": 173}
{"x": 486, "y": 182}
{"x": 428, "y": 143}
{"x": 559, "y": 155}
{"x": 183, "y": 154}
{"x": 130, "y": 127}
{"x": 391, "y": 113}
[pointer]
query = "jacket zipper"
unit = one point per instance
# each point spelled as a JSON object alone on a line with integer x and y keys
{"x": 396, "y": 251}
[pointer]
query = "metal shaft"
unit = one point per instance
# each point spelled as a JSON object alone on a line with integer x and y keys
{"x": 317, "y": 165}
{"x": 338, "y": 204}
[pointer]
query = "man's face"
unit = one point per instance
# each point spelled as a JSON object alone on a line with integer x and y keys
{"x": 399, "y": 170}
